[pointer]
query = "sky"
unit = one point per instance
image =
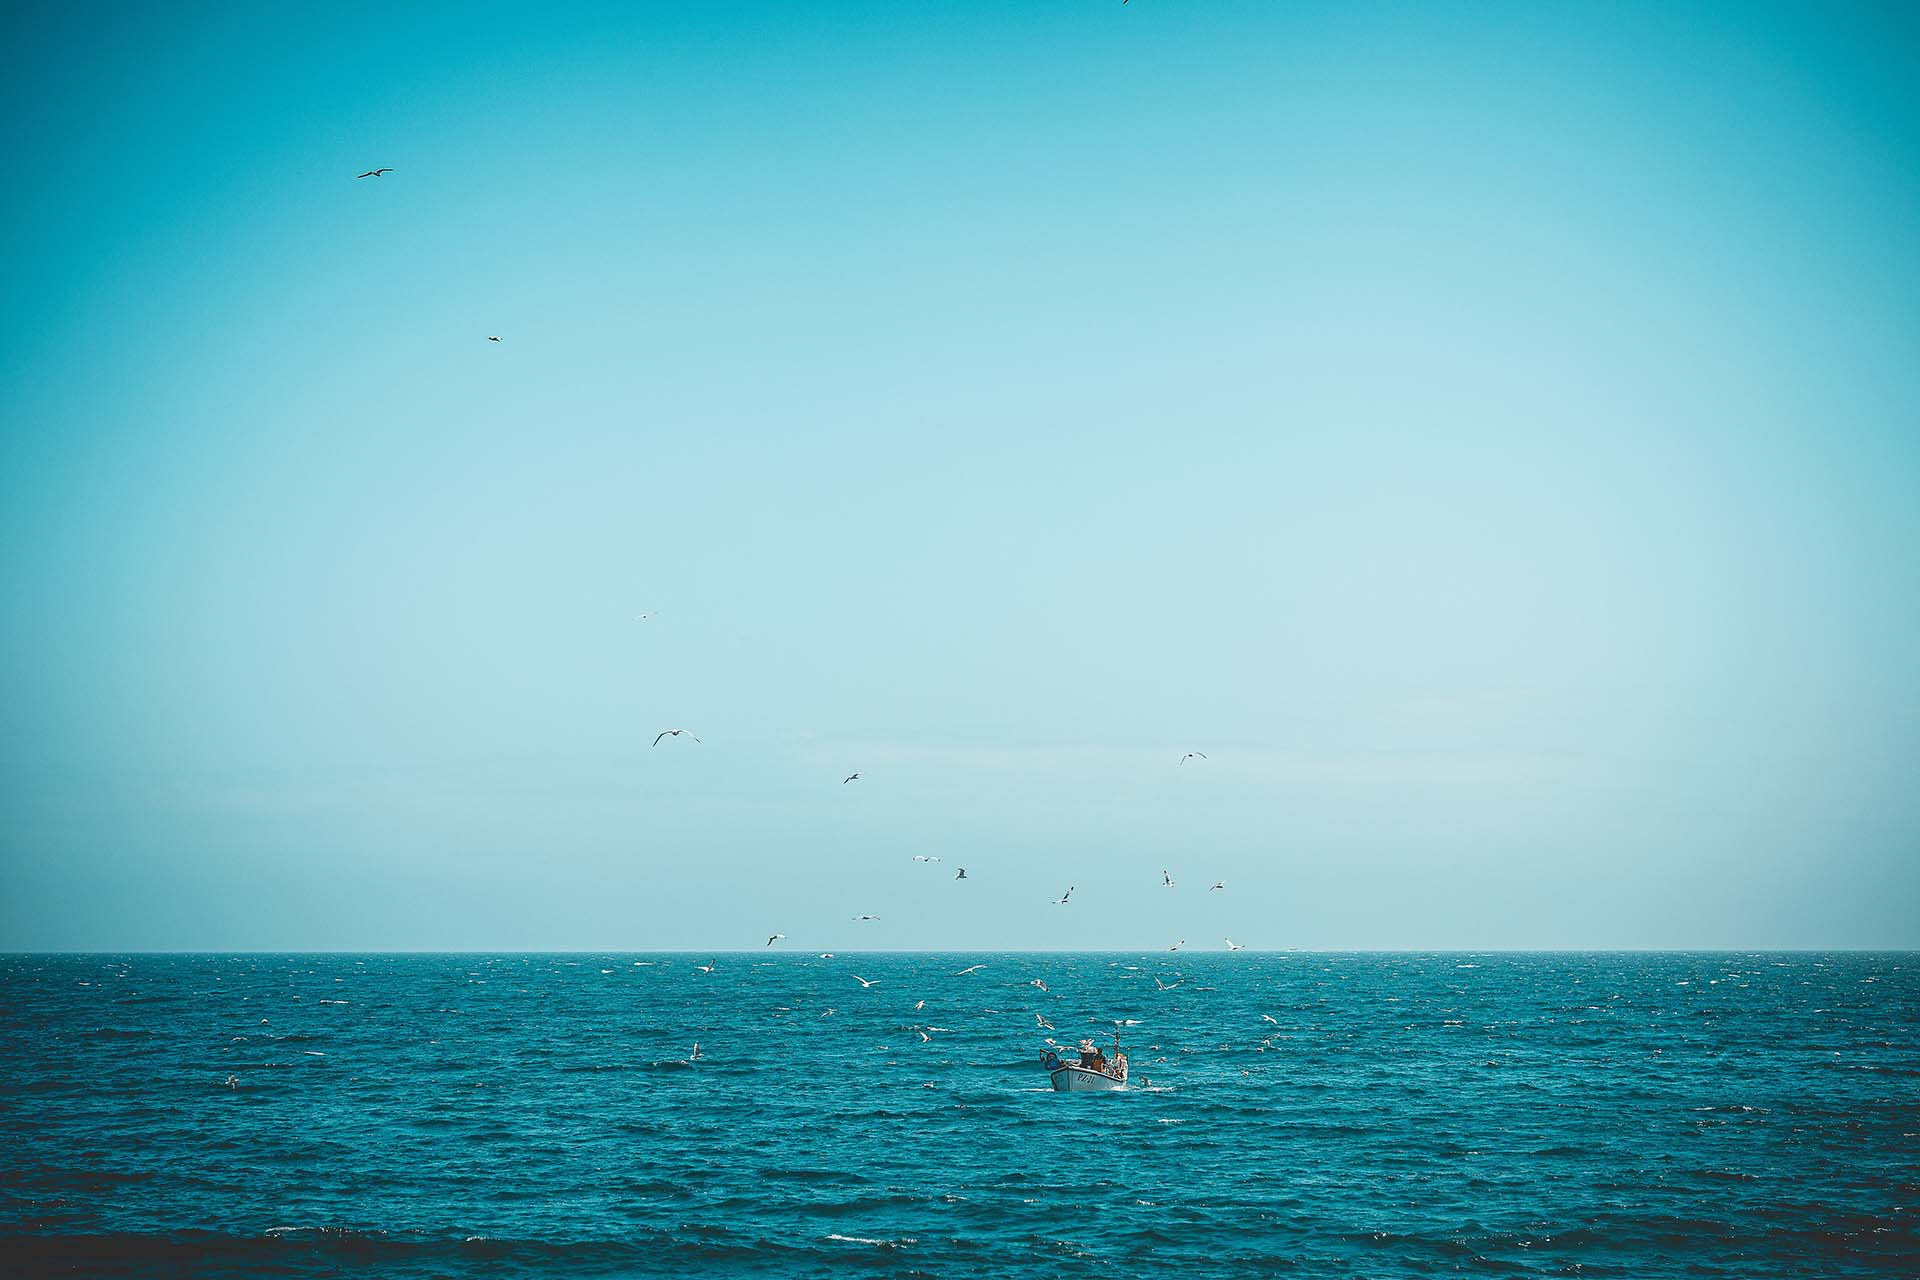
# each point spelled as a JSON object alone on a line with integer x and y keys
{"x": 1491, "y": 434}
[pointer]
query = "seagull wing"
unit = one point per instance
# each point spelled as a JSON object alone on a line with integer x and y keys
{"x": 664, "y": 733}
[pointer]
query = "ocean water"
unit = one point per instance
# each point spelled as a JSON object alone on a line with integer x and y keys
{"x": 1378, "y": 1115}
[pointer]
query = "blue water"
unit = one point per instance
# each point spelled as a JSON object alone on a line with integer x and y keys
{"x": 1402, "y": 1115}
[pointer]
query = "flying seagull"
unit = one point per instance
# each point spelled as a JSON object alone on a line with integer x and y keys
{"x": 1234, "y": 946}
{"x": 866, "y": 917}
{"x": 922, "y": 857}
{"x": 1166, "y": 878}
{"x": 672, "y": 733}
{"x": 1043, "y": 1022}
{"x": 374, "y": 173}
{"x": 852, "y": 777}
{"x": 962, "y": 875}
{"x": 705, "y": 968}
{"x": 826, "y": 955}
{"x": 493, "y": 337}
{"x": 919, "y": 1005}
{"x": 695, "y": 1055}
{"x": 1193, "y": 754}
{"x": 642, "y": 617}
{"x": 775, "y": 938}
{"x": 972, "y": 968}
{"x": 864, "y": 984}
{"x": 1037, "y": 983}
{"x": 1063, "y": 897}
{"x": 1168, "y": 986}
{"x": 1218, "y": 884}
{"x": 1176, "y": 946}
{"x": 1267, "y": 1017}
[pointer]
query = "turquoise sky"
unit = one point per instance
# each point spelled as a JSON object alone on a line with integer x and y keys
{"x": 1488, "y": 432}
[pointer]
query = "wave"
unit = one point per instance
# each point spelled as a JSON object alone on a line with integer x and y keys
{"x": 331, "y": 1251}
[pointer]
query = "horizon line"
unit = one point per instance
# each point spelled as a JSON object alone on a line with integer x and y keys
{"x": 1055, "y": 951}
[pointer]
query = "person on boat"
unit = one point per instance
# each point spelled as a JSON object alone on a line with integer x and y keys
{"x": 1091, "y": 1057}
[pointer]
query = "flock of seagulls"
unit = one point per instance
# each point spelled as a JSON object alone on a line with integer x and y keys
{"x": 959, "y": 874}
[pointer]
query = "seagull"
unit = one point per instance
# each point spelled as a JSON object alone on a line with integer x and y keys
{"x": 827, "y": 1014}
{"x": 1191, "y": 754}
{"x": 918, "y": 857}
{"x": 919, "y": 1005}
{"x": 924, "y": 1037}
{"x": 775, "y": 938}
{"x": 1267, "y": 1017}
{"x": 866, "y": 917}
{"x": 1168, "y": 986}
{"x": 1043, "y": 1022}
{"x": 1217, "y": 884}
{"x": 864, "y": 984}
{"x": 1037, "y": 983}
{"x": 1234, "y": 946}
{"x": 972, "y": 968}
{"x": 1176, "y": 946}
{"x": 374, "y": 173}
{"x": 852, "y": 777}
{"x": 493, "y": 337}
{"x": 1063, "y": 897}
{"x": 672, "y": 733}
{"x": 232, "y": 1082}
{"x": 962, "y": 875}
{"x": 1166, "y": 879}
{"x": 642, "y": 617}
{"x": 695, "y": 1055}
{"x": 705, "y": 968}
{"x": 826, "y": 955}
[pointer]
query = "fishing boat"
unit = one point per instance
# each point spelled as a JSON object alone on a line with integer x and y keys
{"x": 1095, "y": 1072}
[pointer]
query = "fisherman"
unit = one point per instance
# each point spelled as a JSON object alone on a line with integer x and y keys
{"x": 1091, "y": 1057}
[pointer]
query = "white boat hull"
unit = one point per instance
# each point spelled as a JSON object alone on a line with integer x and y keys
{"x": 1069, "y": 1079}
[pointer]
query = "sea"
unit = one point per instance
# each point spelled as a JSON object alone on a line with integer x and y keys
{"x": 1288, "y": 1114}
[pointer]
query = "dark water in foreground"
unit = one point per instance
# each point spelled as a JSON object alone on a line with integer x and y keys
{"x": 1401, "y": 1115}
